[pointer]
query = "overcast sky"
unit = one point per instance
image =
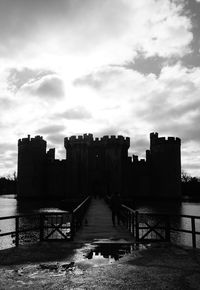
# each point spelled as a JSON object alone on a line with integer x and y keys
{"x": 123, "y": 67}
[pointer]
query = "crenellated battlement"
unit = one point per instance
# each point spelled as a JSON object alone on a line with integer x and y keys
{"x": 155, "y": 140}
{"x": 107, "y": 140}
{"x": 99, "y": 166}
{"x": 36, "y": 140}
{"x": 135, "y": 158}
{"x": 80, "y": 139}
{"x": 103, "y": 141}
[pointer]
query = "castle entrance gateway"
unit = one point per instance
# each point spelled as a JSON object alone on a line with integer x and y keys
{"x": 97, "y": 164}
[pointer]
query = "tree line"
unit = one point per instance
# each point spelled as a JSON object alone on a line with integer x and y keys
{"x": 8, "y": 184}
{"x": 190, "y": 186}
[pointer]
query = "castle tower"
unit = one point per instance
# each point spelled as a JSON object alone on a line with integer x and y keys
{"x": 116, "y": 162}
{"x": 164, "y": 160}
{"x": 77, "y": 160}
{"x": 31, "y": 167}
{"x": 96, "y": 166}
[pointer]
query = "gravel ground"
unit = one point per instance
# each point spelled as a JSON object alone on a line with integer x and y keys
{"x": 67, "y": 266}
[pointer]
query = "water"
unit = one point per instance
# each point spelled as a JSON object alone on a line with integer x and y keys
{"x": 10, "y": 206}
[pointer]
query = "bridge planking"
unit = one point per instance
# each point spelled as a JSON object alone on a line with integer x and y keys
{"x": 97, "y": 226}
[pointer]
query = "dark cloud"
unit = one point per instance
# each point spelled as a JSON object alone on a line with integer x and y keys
{"x": 98, "y": 79}
{"x": 23, "y": 22}
{"x": 51, "y": 87}
{"x": 47, "y": 87}
{"x": 77, "y": 113}
{"x": 188, "y": 131}
{"x": 4, "y": 146}
{"x": 112, "y": 130}
{"x": 51, "y": 129}
{"x": 193, "y": 59}
{"x": 191, "y": 165}
{"x": 56, "y": 138}
{"x": 19, "y": 77}
{"x": 140, "y": 144}
{"x": 147, "y": 65}
{"x": 158, "y": 110}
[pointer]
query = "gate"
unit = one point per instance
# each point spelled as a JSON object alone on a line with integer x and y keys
{"x": 56, "y": 226}
{"x": 152, "y": 227}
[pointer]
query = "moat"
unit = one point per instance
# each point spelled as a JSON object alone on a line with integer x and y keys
{"x": 10, "y": 206}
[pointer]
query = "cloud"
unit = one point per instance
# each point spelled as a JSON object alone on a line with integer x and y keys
{"x": 16, "y": 78}
{"x": 6, "y": 103}
{"x": 76, "y": 113}
{"x": 107, "y": 67}
{"x": 56, "y": 138}
{"x": 7, "y": 146}
{"x": 47, "y": 87}
{"x": 51, "y": 129}
{"x": 140, "y": 144}
{"x": 168, "y": 103}
{"x": 98, "y": 79}
{"x": 111, "y": 130}
{"x": 82, "y": 35}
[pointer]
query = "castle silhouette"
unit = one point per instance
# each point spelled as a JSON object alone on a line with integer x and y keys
{"x": 99, "y": 166}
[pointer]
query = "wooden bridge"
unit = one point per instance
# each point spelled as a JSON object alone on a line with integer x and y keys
{"x": 97, "y": 225}
{"x": 91, "y": 221}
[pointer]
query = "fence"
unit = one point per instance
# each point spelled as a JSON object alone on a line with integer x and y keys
{"x": 152, "y": 227}
{"x": 51, "y": 226}
{"x": 62, "y": 225}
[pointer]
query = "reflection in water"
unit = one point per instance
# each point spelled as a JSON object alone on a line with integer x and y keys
{"x": 10, "y": 206}
{"x": 165, "y": 207}
{"x": 109, "y": 253}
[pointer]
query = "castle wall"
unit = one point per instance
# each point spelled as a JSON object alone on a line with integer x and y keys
{"x": 99, "y": 166}
{"x": 165, "y": 166}
{"x": 56, "y": 181}
{"x": 31, "y": 167}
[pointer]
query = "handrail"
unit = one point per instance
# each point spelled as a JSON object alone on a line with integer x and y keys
{"x": 128, "y": 208}
{"x": 75, "y": 217}
{"x": 133, "y": 224}
{"x": 80, "y": 205}
{"x": 33, "y": 214}
{"x": 133, "y": 220}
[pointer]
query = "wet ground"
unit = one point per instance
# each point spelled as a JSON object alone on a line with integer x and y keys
{"x": 100, "y": 265}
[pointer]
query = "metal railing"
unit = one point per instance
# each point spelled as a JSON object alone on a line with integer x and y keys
{"x": 53, "y": 225}
{"x": 78, "y": 215}
{"x": 145, "y": 227}
{"x": 150, "y": 227}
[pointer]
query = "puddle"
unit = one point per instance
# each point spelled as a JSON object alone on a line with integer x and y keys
{"x": 104, "y": 253}
{"x": 112, "y": 252}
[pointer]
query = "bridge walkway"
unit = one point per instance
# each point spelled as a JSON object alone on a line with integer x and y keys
{"x": 97, "y": 226}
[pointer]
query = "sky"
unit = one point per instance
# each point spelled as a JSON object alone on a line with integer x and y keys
{"x": 107, "y": 67}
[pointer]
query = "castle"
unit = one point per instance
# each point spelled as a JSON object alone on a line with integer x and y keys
{"x": 99, "y": 166}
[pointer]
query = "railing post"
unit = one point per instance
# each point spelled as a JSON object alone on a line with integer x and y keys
{"x": 72, "y": 226}
{"x": 193, "y": 232}
{"x": 136, "y": 226}
{"x": 41, "y": 227}
{"x": 127, "y": 220}
{"x": 16, "y": 231}
{"x": 133, "y": 225}
{"x": 167, "y": 228}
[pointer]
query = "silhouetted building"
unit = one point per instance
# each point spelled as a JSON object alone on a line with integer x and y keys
{"x": 99, "y": 166}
